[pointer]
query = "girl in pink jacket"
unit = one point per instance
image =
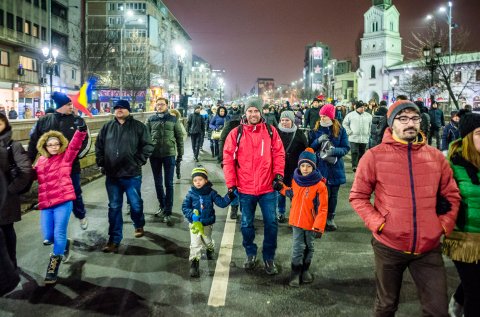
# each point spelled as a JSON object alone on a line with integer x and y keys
{"x": 56, "y": 192}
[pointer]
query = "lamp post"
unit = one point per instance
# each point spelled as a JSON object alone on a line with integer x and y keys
{"x": 393, "y": 83}
{"x": 51, "y": 61}
{"x": 221, "y": 85}
{"x": 180, "y": 51}
{"x": 432, "y": 61}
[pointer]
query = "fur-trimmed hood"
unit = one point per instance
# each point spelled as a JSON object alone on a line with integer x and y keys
{"x": 43, "y": 140}
{"x": 176, "y": 113}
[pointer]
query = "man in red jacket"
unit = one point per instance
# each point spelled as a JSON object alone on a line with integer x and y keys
{"x": 416, "y": 202}
{"x": 253, "y": 163}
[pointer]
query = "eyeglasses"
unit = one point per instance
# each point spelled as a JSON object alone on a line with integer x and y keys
{"x": 53, "y": 145}
{"x": 405, "y": 119}
{"x": 161, "y": 104}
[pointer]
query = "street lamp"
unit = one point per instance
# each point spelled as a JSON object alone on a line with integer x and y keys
{"x": 393, "y": 83}
{"x": 51, "y": 61}
{"x": 221, "y": 85}
{"x": 432, "y": 61}
{"x": 180, "y": 51}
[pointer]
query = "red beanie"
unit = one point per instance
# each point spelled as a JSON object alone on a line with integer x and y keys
{"x": 328, "y": 110}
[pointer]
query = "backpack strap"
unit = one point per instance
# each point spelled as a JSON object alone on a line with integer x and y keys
{"x": 239, "y": 136}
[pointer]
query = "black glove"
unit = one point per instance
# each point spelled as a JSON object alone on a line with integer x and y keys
{"x": 318, "y": 234}
{"x": 232, "y": 189}
{"x": 278, "y": 182}
{"x": 231, "y": 195}
{"x": 443, "y": 205}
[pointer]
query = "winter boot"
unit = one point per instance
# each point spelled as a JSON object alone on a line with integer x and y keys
{"x": 233, "y": 212}
{"x": 194, "y": 268}
{"x": 295, "y": 275}
{"x": 306, "y": 276}
{"x": 52, "y": 269}
{"x": 212, "y": 148}
{"x": 331, "y": 226}
{"x": 210, "y": 253}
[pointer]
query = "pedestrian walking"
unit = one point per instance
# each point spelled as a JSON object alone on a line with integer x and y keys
{"x": 56, "y": 192}
{"x": 196, "y": 130}
{"x": 167, "y": 140}
{"x": 331, "y": 143}
{"x": 409, "y": 179}
{"x": 308, "y": 214}
{"x": 216, "y": 126}
{"x": 123, "y": 146}
{"x": 198, "y": 209}
{"x": 451, "y": 131}
{"x": 294, "y": 142}
{"x": 379, "y": 119}
{"x": 311, "y": 114}
{"x": 358, "y": 124}
{"x": 463, "y": 244}
{"x": 437, "y": 122}
{"x": 15, "y": 164}
{"x": 253, "y": 162}
{"x": 270, "y": 117}
{"x": 65, "y": 121}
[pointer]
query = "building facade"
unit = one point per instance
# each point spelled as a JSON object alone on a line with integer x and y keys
{"x": 317, "y": 57}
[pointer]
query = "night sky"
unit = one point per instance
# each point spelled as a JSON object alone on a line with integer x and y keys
{"x": 267, "y": 38}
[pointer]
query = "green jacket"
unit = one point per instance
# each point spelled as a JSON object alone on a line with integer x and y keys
{"x": 166, "y": 132}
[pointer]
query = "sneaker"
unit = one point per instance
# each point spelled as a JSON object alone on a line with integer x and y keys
{"x": 210, "y": 254}
{"x": 84, "y": 223}
{"x": 66, "y": 253}
{"x": 454, "y": 308}
{"x": 331, "y": 226}
{"x": 160, "y": 214}
{"x": 270, "y": 267}
{"x": 139, "y": 232}
{"x": 110, "y": 247}
{"x": 250, "y": 262}
{"x": 234, "y": 212}
{"x": 281, "y": 218}
{"x": 169, "y": 221}
{"x": 47, "y": 242}
{"x": 194, "y": 268}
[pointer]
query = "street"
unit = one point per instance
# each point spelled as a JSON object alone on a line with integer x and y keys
{"x": 149, "y": 276}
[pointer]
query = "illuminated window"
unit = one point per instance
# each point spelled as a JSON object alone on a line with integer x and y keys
{"x": 28, "y": 63}
{"x": 4, "y": 60}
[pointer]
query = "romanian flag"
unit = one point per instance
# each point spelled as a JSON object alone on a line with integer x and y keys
{"x": 80, "y": 100}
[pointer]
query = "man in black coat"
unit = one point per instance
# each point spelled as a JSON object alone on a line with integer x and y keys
{"x": 437, "y": 121}
{"x": 196, "y": 130}
{"x": 65, "y": 121}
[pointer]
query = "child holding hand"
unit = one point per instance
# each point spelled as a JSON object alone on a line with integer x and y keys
{"x": 308, "y": 214}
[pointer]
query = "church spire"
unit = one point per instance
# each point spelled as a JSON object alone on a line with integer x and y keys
{"x": 384, "y": 4}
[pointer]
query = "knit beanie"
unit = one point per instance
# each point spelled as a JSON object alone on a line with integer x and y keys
{"x": 60, "y": 99}
{"x": 308, "y": 156}
{"x": 468, "y": 122}
{"x": 254, "y": 102}
{"x": 328, "y": 110}
{"x": 288, "y": 114}
{"x": 199, "y": 171}
{"x": 397, "y": 107}
{"x": 124, "y": 104}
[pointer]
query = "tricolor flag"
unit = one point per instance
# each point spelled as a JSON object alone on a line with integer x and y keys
{"x": 80, "y": 100}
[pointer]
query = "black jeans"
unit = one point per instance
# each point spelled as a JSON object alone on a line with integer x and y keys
{"x": 10, "y": 241}
{"x": 9, "y": 277}
{"x": 434, "y": 132}
{"x": 332, "y": 200}
{"x": 196, "y": 143}
{"x": 468, "y": 292}
{"x": 358, "y": 149}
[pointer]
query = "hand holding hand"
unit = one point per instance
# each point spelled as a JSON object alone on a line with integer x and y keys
{"x": 231, "y": 195}
{"x": 278, "y": 182}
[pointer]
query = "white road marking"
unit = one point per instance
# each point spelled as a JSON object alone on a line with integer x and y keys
{"x": 218, "y": 292}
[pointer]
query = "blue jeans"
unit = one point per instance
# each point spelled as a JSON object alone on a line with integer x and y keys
{"x": 168, "y": 165}
{"x": 131, "y": 186}
{"x": 78, "y": 206}
{"x": 281, "y": 203}
{"x": 302, "y": 246}
{"x": 332, "y": 200}
{"x": 267, "y": 206}
{"x": 54, "y": 222}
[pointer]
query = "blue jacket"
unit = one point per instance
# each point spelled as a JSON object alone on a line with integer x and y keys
{"x": 218, "y": 122}
{"x": 450, "y": 133}
{"x": 203, "y": 199}
{"x": 335, "y": 174}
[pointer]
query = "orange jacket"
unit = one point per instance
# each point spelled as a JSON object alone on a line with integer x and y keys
{"x": 309, "y": 205}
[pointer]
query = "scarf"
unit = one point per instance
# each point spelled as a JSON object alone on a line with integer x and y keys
{"x": 205, "y": 190}
{"x": 293, "y": 129}
{"x": 309, "y": 180}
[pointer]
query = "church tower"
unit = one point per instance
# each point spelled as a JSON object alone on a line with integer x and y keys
{"x": 381, "y": 48}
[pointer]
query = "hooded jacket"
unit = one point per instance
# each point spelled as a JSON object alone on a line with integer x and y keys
{"x": 203, "y": 200}
{"x": 218, "y": 121}
{"x": 258, "y": 159}
{"x": 176, "y": 114}
{"x": 358, "y": 126}
{"x": 53, "y": 171}
{"x": 11, "y": 211}
{"x": 309, "y": 201}
{"x": 406, "y": 179}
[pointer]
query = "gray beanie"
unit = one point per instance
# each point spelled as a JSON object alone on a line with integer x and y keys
{"x": 289, "y": 115}
{"x": 397, "y": 107}
{"x": 254, "y": 102}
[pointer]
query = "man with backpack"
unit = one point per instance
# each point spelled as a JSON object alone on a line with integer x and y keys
{"x": 253, "y": 163}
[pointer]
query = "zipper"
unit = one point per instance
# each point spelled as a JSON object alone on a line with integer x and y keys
{"x": 301, "y": 208}
{"x": 412, "y": 189}
{"x": 261, "y": 153}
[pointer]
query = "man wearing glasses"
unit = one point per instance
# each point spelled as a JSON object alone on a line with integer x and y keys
{"x": 166, "y": 132}
{"x": 410, "y": 180}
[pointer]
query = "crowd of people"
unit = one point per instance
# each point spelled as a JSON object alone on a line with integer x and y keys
{"x": 269, "y": 153}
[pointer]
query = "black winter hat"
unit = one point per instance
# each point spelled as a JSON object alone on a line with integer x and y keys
{"x": 60, "y": 99}
{"x": 123, "y": 104}
{"x": 468, "y": 122}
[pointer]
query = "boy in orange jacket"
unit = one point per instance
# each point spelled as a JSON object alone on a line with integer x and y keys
{"x": 308, "y": 214}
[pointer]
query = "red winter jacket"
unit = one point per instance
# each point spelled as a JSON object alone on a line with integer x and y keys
{"x": 405, "y": 179}
{"x": 53, "y": 172}
{"x": 260, "y": 158}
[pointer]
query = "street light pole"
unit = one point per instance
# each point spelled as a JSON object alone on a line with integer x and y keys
{"x": 432, "y": 63}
